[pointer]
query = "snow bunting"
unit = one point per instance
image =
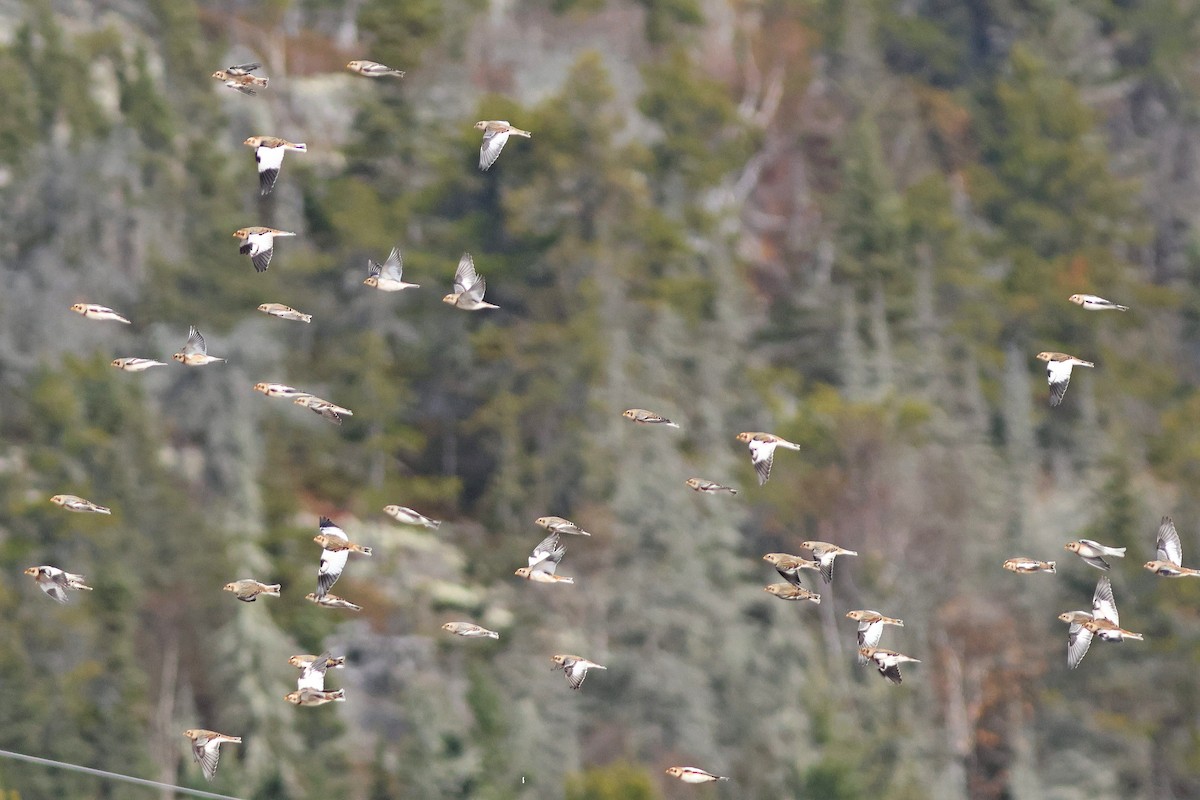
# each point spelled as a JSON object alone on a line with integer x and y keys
{"x": 206, "y": 748}
{"x": 791, "y": 591}
{"x": 1058, "y": 372}
{"x": 331, "y": 661}
{"x": 279, "y": 390}
{"x": 1093, "y": 303}
{"x": 647, "y": 417}
{"x": 693, "y": 775}
{"x": 470, "y": 630}
{"x": 373, "y": 69}
{"x": 1169, "y": 563}
{"x": 259, "y": 243}
{"x": 136, "y": 364}
{"x": 1094, "y": 552}
{"x": 1079, "y": 639}
{"x": 388, "y": 276}
{"x": 870, "y": 629}
{"x": 268, "y": 153}
{"x": 762, "y": 451}
{"x": 495, "y": 136}
{"x": 1106, "y": 622}
{"x": 195, "y": 351}
{"x": 789, "y": 566}
{"x": 314, "y": 697}
{"x": 54, "y": 582}
{"x": 335, "y": 552}
{"x": 312, "y": 671}
{"x": 709, "y": 487}
{"x": 888, "y": 661}
{"x": 469, "y": 287}
{"x": 1025, "y": 565}
{"x": 544, "y": 561}
{"x": 576, "y": 668}
{"x": 328, "y": 410}
{"x": 560, "y": 525}
{"x": 77, "y": 504}
{"x": 825, "y": 554}
{"x": 284, "y": 312}
{"x": 332, "y": 601}
{"x": 247, "y": 590}
{"x": 93, "y": 311}
{"x": 410, "y": 517}
{"x": 239, "y": 78}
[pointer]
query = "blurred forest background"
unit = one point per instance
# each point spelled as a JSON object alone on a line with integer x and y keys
{"x": 849, "y": 222}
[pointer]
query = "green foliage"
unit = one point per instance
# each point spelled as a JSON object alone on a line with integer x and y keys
{"x": 666, "y": 19}
{"x": 702, "y": 133}
{"x": 612, "y": 782}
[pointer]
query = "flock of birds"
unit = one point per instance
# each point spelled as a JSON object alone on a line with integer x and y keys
{"x": 257, "y": 242}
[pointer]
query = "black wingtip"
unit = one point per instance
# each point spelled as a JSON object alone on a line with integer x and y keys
{"x": 325, "y": 522}
{"x": 266, "y": 181}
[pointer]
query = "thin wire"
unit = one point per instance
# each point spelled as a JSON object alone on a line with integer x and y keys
{"x": 114, "y": 775}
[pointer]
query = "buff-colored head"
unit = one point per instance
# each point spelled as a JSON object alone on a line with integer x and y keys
{"x": 1077, "y": 299}
{"x": 1072, "y": 547}
{"x": 1044, "y": 356}
{"x": 523, "y": 572}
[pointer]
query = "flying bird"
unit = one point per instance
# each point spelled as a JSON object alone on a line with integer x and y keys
{"x": 335, "y": 552}
{"x": 1058, "y": 372}
{"x": 284, "y": 312}
{"x": 1093, "y": 552}
{"x": 331, "y": 661}
{"x": 495, "y": 136}
{"x": 388, "y": 276}
{"x": 239, "y": 78}
{"x": 1106, "y": 622}
{"x": 93, "y": 311}
{"x": 888, "y": 661}
{"x": 1023, "y": 564}
{"x": 469, "y": 287}
{"x": 314, "y": 697}
{"x": 136, "y": 364}
{"x": 54, "y": 581}
{"x": 789, "y": 566}
{"x": 1103, "y": 621}
{"x": 206, "y": 748}
{"x": 560, "y": 525}
{"x": 693, "y": 775}
{"x": 470, "y": 630}
{"x": 647, "y": 417}
{"x": 324, "y": 408}
{"x": 709, "y": 487}
{"x": 576, "y": 668}
{"x": 195, "y": 351}
{"x": 373, "y": 69}
{"x": 826, "y": 553}
{"x": 544, "y": 561}
{"x": 77, "y": 504}
{"x": 870, "y": 629}
{"x": 259, "y": 243}
{"x": 332, "y": 601}
{"x": 268, "y": 153}
{"x": 1079, "y": 639}
{"x": 762, "y": 451}
{"x": 1093, "y": 303}
{"x": 1169, "y": 561}
{"x": 791, "y": 591}
{"x": 280, "y": 390}
{"x": 247, "y": 590}
{"x": 410, "y": 517}
{"x": 312, "y": 671}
